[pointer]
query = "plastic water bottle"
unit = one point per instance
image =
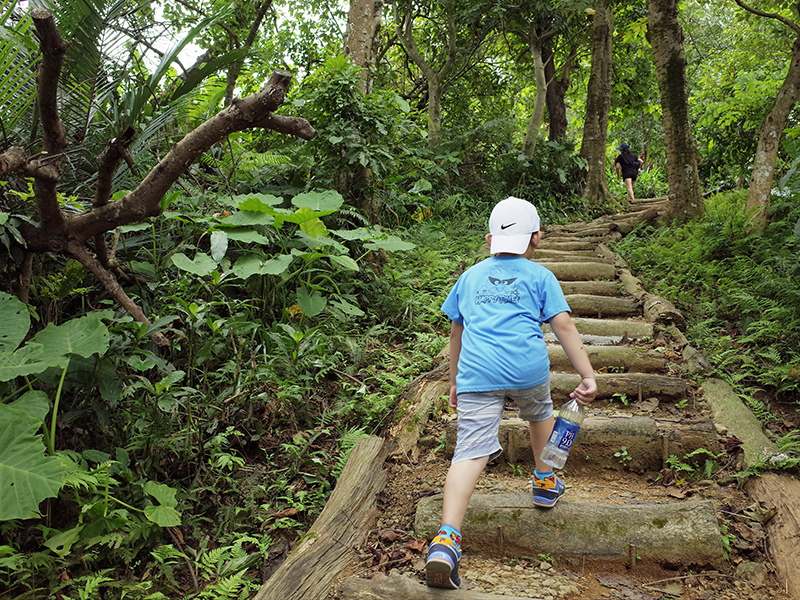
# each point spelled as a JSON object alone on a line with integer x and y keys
{"x": 568, "y": 422}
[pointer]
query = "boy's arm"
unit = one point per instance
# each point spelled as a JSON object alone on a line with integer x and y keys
{"x": 456, "y": 329}
{"x": 571, "y": 341}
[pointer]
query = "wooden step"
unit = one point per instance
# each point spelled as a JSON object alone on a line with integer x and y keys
{"x": 682, "y": 533}
{"x": 648, "y": 442}
{"x": 625, "y": 359}
{"x": 580, "y": 271}
{"x": 616, "y": 330}
{"x": 569, "y": 244}
{"x": 588, "y": 305}
{"x": 636, "y": 386}
{"x": 563, "y": 255}
{"x": 594, "y": 288}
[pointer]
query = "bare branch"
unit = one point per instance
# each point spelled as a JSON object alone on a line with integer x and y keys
{"x": 13, "y": 159}
{"x": 53, "y": 47}
{"x": 790, "y": 24}
{"x": 144, "y": 201}
{"x": 79, "y": 253}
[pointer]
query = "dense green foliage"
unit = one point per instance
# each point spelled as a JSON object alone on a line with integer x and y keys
{"x": 739, "y": 286}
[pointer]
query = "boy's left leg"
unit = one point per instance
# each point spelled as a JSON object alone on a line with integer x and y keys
{"x": 444, "y": 551}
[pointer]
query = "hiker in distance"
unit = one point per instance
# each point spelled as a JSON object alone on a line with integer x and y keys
{"x": 627, "y": 166}
{"x": 497, "y": 351}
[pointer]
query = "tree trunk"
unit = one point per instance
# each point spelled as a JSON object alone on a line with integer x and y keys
{"x": 593, "y": 146}
{"x": 769, "y": 138}
{"x": 537, "y": 115}
{"x": 434, "y": 79}
{"x": 783, "y": 494}
{"x": 556, "y": 91}
{"x": 363, "y": 24}
{"x": 666, "y": 39}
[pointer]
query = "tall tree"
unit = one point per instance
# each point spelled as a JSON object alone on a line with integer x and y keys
{"x": 363, "y": 24}
{"x": 405, "y": 15}
{"x": 598, "y": 100}
{"x": 666, "y": 39}
{"x": 557, "y": 86}
{"x": 769, "y": 137}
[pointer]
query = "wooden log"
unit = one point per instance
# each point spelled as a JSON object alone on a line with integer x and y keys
{"x": 568, "y": 245}
{"x": 648, "y": 442}
{"x": 662, "y": 311}
{"x": 403, "y": 587}
{"x": 577, "y": 271}
{"x": 595, "y": 288}
{"x": 626, "y": 358}
{"x": 569, "y": 257}
{"x": 610, "y": 256}
{"x": 330, "y": 545}
{"x": 729, "y": 411}
{"x": 586, "y": 305}
{"x": 636, "y": 386}
{"x": 632, "y": 285}
{"x": 415, "y": 408}
{"x": 626, "y": 223}
{"x": 618, "y": 329}
{"x": 783, "y": 493}
{"x": 563, "y": 255}
{"x": 675, "y": 534}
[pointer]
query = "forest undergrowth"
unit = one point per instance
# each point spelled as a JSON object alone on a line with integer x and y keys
{"x": 192, "y": 472}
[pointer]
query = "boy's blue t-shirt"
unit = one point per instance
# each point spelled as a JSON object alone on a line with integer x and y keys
{"x": 502, "y": 303}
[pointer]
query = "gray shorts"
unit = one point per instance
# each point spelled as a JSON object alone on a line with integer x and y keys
{"x": 479, "y": 415}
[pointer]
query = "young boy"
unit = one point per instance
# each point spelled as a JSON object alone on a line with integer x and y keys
{"x": 497, "y": 351}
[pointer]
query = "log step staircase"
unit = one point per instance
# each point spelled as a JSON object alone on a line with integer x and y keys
{"x": 650, "y": 412}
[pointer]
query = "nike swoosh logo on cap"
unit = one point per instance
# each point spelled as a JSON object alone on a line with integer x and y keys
{"x": 507, "y": 226}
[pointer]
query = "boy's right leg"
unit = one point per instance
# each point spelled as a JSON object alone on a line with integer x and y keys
{"x": 444, "y": 551}
{"x": 547, "y": 486}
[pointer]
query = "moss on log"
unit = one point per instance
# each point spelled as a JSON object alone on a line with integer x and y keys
{"x": 684, "y": 533}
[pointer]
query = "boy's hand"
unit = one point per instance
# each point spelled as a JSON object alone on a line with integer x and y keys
{"x": 586, "y": 391}
{"x": 453, "y": 398}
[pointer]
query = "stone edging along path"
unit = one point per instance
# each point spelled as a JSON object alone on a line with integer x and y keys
{"x": 615, "y": 316}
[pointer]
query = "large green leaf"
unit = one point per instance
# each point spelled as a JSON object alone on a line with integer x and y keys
{"x": 244, "y": 218}
{"x": 28, "y": 360}
{"x": 247, "y": 266}
{"x": 258, "y": 202}
{"x": 164, "y": 514}
{"x": 14, "y": 324}
{"x": 201, "y": 265}
{"x": 83, "y": 336}
{"x": 328, "y": 200}
{"x": 390, "y": 243}
{"x": 219, "y": 245}
{"x": 247, "y": 236}
{"x": 27, "y": 476}
{"x": 311, "y": 303}
{"x": 277, "y": 265}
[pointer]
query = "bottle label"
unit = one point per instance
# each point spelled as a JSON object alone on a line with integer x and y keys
{"x": 564, "y": 433}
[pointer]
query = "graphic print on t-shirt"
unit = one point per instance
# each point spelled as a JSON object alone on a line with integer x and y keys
{"x": 499, "y": 288}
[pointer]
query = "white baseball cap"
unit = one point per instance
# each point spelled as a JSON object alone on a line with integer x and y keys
{"x": 511, "y": 224}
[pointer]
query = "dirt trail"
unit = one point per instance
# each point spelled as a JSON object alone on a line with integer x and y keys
{"x": 627, "y": 464}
